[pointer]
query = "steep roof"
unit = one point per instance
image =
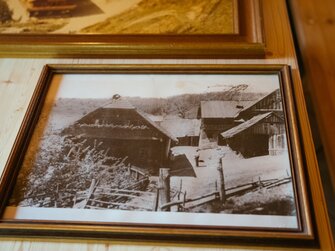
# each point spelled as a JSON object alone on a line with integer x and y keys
{"x": 182, "y": 127}
{"x": 123, "y": 104}
{"x": 222, "y": 109}
{"x": 244, "y": 126}
{"x": 259, "y": 100}
{"x": 154, "y": 124}
{"x": 155, "y": 118}
{"x": 181, "y": 166}
{"x": 119, "y": 103}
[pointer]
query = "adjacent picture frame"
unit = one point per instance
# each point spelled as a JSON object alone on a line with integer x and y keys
{"x": 181, "y": 153}
{"x": 243, "y": 38}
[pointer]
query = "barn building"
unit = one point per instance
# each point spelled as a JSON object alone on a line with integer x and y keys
{"x": 219, "y": 116}
{"x": 187, "y": 131}
{"x": 269, "y": 103}
{"x": 264, "y": 134}
{"x": 127, "y": 132}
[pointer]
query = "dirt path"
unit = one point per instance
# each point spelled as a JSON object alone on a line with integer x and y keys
{"x": 109, "y": 7}
{"x": 238, "y": 171}
{"x": 207, "y": 173}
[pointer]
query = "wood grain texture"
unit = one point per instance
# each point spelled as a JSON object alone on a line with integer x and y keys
{"x": 315, "y": 27}
{"x": 18, "y": 77}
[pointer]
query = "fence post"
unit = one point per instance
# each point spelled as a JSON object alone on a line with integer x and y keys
{"x": 155, "y": 205}
{"x": 90, "y": 190}
{"x": 164, "y": 187}
{"x": 129, "y": 170}
{"x": 180, "y": 187}
{"x": 56, "y": 195}
{"x": 222, "y": 189}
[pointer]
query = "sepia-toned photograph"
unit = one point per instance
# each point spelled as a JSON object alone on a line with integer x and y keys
{"x": 140, "y": 28}
{"x": 118, "y": 17}
{"x": 189, "y": 149}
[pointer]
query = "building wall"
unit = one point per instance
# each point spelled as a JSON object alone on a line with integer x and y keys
{"x": 187, "y": 141}
{"x": 264, "y": 138}
{"x": 214, "y": 126}
{"x": 273, "y": 102}
{"x": 277, "y": 144}
{"x": 146, "y": 154}
{"x": 142, "y": 144}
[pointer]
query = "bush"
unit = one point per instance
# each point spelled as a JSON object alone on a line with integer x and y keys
{"x": 5, "y": 12}
{"x": 63, "y": 166}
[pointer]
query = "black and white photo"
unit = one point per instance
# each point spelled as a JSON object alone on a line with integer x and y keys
{"x": 188, "y": 149}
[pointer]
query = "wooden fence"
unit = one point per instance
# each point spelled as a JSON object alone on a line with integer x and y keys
{"x": 183, "y": 203}
{"x": 130, "y": 197}
{"x": 134, "y": 196}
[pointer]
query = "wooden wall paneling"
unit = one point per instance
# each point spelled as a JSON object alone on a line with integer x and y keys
{"x": 18, "y": 78}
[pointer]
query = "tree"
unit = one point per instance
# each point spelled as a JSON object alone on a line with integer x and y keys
{"x": 5, "y": 12}
{"x": 236, "y": 90}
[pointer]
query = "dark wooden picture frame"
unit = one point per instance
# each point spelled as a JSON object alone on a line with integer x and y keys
{"x": 246, "y": 41}
{"x": 301, "y": 235}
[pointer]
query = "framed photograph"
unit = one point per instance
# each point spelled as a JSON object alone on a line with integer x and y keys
{"x": 135, "y": 28}
{"x": 200, "y": 153}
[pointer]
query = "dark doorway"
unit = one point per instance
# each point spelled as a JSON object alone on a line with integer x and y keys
{"x": 256, "y": 145}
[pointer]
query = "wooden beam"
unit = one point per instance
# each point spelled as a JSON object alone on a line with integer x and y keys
{"x": 164, "y": 187}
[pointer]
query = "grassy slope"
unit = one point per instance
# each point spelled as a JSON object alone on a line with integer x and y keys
{"x": 162, "y": 17}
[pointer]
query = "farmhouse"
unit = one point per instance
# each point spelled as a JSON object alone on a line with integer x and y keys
{"x": 264, "y": 134}
{"x": 219, "y": 116}
{"x": 126, "y": 132}
{"x": 269, "y": 103}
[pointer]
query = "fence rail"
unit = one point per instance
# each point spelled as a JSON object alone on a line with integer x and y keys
{"x": 99, "y": 197}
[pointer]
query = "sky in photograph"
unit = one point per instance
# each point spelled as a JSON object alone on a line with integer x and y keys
{"x": 159, "y": 86}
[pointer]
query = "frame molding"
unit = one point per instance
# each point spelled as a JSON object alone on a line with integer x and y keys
{"x": 247, "y": 42}
{"x": 304, "y": 237}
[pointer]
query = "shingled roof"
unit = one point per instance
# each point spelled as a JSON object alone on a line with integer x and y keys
{"x": 222, "y": 109}
{"x": 182, "y": 127}
{"x": 154, "y": 124}
{"x": 244, "y": 126}
{"x": 123, "y": 104}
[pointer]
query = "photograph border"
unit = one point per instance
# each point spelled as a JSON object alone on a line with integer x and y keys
{"x": 303, "y": 236}
{"x": 247, "y": 41}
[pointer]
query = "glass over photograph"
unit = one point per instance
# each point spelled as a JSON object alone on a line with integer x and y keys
{"x": 118, "y": 16}
{"x": 175, "y": 149}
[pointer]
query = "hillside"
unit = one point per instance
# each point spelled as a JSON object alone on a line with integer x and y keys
{"x": 68, "y": 110}
{"x": 163, "y": 17}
